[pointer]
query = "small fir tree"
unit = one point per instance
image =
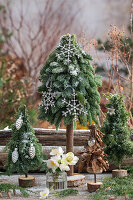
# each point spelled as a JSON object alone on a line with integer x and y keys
{"x": 69, "y": 87}
{"x": 117, "y": 131}
{"x": 25, "y": 153}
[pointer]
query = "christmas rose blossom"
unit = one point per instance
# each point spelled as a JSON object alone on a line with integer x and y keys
{"x": 69, "y": 159}
{"x": 53, "y": 163}
{"x": 44, "y": 194}
{"x": 58, "y": 151}
{"x": 64, "y": 167}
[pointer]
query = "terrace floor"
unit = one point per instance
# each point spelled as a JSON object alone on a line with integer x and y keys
{"x": 40, "y": 185}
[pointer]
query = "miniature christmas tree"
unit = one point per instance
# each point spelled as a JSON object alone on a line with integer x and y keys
{"x": 25, "y": 153}
{"x": 93, "y": 156}
{"x": 69, "y": 88}
{"x": 117, "y": 131}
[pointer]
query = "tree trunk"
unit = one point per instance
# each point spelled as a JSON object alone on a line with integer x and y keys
{"x": 69, "y": 144}
{"x": 95, "y": 179}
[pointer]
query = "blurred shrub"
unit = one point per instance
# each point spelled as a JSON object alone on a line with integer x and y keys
{"x": 15, "y": 89}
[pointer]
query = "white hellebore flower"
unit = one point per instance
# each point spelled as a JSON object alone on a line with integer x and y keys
{"x": 56, "y": 152}
{"x": 64, "y": 167}
{"x": 53, "y": 163}
{"x": 44, "y": 194}
{"x": 69, "y": 159}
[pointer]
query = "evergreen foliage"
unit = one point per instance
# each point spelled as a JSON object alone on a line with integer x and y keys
{"x": 115, "y": 187}
{"x": 66, "y": 73}
{"x": 117, "y": 131}
{"x": 22, "y": 139}
{"x": 6, "y": 187}
{"x": 67, "y": 192}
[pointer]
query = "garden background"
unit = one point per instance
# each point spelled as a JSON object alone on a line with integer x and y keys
{"x": 30, "y": 30}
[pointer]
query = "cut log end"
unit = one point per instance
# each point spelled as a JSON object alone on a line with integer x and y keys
{"x": 26, "y": 181}
{"x": 93, "y": 187}
{"x": 119, "y": 173}
{"x": 76, "y": 180}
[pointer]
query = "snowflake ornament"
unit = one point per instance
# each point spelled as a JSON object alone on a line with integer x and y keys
{"x": 68, "y": 50}
{"x": 73, "y": 107}
{"x": 48, "y": 99}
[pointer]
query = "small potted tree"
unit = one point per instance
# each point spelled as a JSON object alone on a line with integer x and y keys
{"x": 93, "y": 157}
{"x": 24, "y": 151}
{"x": 117, "y": 133}
{"x": 69, "y": 88}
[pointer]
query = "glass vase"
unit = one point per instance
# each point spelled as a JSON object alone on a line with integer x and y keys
{"x": 56, "y": 181}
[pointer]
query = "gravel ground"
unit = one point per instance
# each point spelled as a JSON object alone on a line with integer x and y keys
{"x": 40, "y": 185}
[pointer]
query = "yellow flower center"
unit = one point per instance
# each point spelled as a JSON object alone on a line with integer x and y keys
{"x": 53, "y": 163}
{"x": 69, "y": 158}
{"x": 44, "y": 194}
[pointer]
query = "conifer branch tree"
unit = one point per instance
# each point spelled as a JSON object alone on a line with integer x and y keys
{"x": 117, "y": 131}
{"x": 69, "y": 87}
{"x": 25, "y": 153}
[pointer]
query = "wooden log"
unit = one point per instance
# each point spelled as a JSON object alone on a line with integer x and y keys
{"x": 3, "y": 158}
{"x": 51, "y": 137}
{"x": 76, "y": 180}
{"x": 26, "y": 181}
{"x": 41, "y": 131}
{"x": 93, "y": 187}
{"x": 119, "y": 173}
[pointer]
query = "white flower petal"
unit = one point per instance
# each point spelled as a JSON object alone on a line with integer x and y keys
{"x": 58, "y": 151}
{"x": 69, "y": 159}
{"x": 44, "y": 193}
{"x": 64, "y": 167}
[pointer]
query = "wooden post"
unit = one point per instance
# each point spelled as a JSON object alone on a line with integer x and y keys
{"x": 95, "y": 179}
{"x": 26, "y": 175}
{"x": 69, "y": 145}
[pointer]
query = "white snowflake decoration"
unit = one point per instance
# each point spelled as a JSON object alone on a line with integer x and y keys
{"x": 19, "y": 122}
{"x": 48, "y": 99}
{"x": 15, "y": 155}
{"x": 73, "y": 107}
{"x": 68, "y": 50}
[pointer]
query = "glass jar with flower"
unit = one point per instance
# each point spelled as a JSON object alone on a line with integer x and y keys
{"x": 57, "y": 165}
